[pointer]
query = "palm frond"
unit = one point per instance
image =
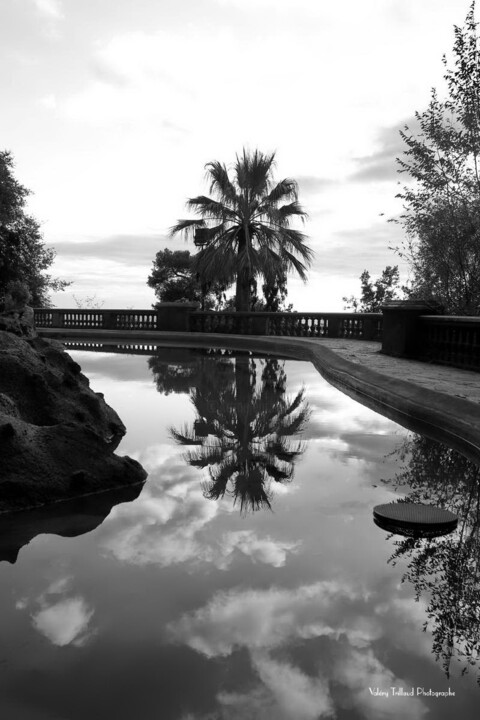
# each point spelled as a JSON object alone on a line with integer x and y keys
{"x": 206, "y": 456}
{"x": 293, "y": 209}
{"x": 294, "y": 240}
{"x": 293, "y": 405}
{"x": 278, "y": 448}
{"x": 294, "y": 425}
{"x": 211, "y": 209}
{"x": 253, "y": 172}
{"x": 184, "y": 437}
{"x": 250, "y": 488}
{"x": 278, "y": 474}
{"x": 220, "y": 183}
{"x": 269, "y": 260}
{"x": 215, "y": 263}
{"x": 187, "y": 227}
{"x": 286, "y": 189}
{"x": 293, "y": 263}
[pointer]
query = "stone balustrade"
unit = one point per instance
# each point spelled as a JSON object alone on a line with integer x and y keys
{"x": 170, "y": 316}
{"x": 185, "y": 317}
{"x": 451, "y": 340}
{"x": 404, "y": 328}
{"x": 357, "y": 326}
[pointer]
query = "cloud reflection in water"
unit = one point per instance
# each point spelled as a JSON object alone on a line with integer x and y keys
{"x": 62, "y": 619}
{"x": 172, "y": 523}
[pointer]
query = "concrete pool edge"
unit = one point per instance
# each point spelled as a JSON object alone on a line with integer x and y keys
{"x": 444, "y": 417}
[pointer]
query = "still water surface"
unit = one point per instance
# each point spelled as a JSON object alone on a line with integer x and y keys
{"x": 247, "y": 579}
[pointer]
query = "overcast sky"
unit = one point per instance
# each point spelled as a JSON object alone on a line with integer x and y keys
{"x": 111, "y": 109}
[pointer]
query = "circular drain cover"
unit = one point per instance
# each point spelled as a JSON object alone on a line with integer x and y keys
{"x": 414, "y": 519}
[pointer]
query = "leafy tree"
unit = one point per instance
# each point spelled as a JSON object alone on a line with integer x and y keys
{"x": 179, "y": 370}
{"x": 442, "y": 202}
{"x": 244, "y": 231}
{"x": 444, "y": 570}
{"x": 274, "y": 290}
{"x": 174, "y": 280}
{"x": 375, "y": 294}
{"x": 243, "y": 432}
{"x": 23, "y": 255}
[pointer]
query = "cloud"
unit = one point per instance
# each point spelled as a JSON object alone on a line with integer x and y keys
{"x": 171, "y": 523}
{"x": 126, "y": 260}
{"x": 61, "y": 619}
{"x": 360, "y": 670}
{"x": 369, "y": 447}
{"x": 125, "y": 368}
{"x": 266, "y": 619}
{"x": 310, "y": 184}
{"x": 352, "y": 251}
{"x": 337, "y": 416}
{"x": 256, "y": 702}
{"x": 49, "y": 102}
{"x": 164, "y": 526}
{"x": 65, "y": 622}
{"x": 258, "y": 549}
{"x": 276, "y": 625}
{"x": 381, "y": 165}
{"x": 297, "y": 694}
{"x": 131, "y": 250}
{"x": 51, "y": 9}
{"x": 139, "y": 76}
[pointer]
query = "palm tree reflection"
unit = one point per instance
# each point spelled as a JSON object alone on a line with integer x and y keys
{"x": 445, "y": 570}
{"x": 244, "y": 431}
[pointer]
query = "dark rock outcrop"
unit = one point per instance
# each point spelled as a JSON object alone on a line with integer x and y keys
{"x": 57, "y": 437}
{"x": 70, "y": 518}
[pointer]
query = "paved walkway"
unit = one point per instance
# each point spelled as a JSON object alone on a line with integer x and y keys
{"x": 452, "y": 381}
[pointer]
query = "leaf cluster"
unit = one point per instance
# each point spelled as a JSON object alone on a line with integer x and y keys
{"x": 23, "y": 255}
{"x": 441, "y": 201}
{"x": 445, "y": 570}
{"x": 375, "y": 293}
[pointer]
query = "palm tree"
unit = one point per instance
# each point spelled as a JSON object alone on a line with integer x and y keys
{"x": 243, "y": 433}
{"x": 244, "y": 231}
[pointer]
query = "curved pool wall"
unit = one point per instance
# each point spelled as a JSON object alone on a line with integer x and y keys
{"x": 451, "y": 420}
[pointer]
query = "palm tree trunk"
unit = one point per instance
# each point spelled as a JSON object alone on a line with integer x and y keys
{"x": 244, "y": 387}
{"x": 242, "y": 293}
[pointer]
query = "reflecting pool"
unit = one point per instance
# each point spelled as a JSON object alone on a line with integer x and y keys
{"x": 246, "y": 579}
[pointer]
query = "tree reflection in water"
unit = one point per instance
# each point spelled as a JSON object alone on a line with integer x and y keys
{"x": 244, "y": 430}
{"x": 445, "y": 569}
{"x": 175, "y": 370}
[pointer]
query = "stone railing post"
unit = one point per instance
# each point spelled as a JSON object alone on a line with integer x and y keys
{"x": 109, "y": 318}
{"x": 175, "y": 316}
{"x": 369, "y": 327}
{"x": 260, "y": 324}
{"x": 402, "y": 332}
{"x": 57, "y": 318}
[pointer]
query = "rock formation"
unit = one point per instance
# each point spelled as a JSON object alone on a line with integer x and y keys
{"x": 57, "y": 436}
{"x": 70, "y": 518}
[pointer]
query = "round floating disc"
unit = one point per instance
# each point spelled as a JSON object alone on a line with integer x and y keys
{"x": 414, "y": 518}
